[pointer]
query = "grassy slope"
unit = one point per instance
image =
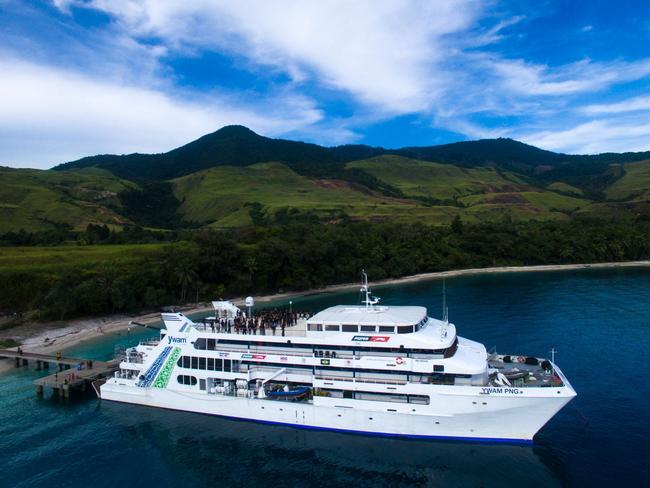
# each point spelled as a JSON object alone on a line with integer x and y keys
{"x": 433, "y": 180}
{"x": 634, "y": 185}
{"x": 61, "y": 257}
{"x": 36, "y": 200}
{"x": 219, "y": 194}
{"x": 565, "y": 188}
{"x": 486, "y": 193}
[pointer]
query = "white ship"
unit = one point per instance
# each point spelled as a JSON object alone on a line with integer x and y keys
{"x": 369, "y": 369}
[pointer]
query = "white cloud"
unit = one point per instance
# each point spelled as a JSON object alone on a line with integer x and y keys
{"x": 574, "y": 78}
{"x": 596, "y": 136}
{"x": 630, "y": 105}
{"x": 387, "y": 54}
{"x": 436, "y": 59}
{"x": 397, "y": 56}
{"x": 51, "y": 115}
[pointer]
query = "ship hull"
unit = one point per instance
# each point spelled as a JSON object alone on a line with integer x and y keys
{"x": 462, "y": 415}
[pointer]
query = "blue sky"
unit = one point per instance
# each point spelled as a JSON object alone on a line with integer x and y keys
{"x": 81, "y": 77}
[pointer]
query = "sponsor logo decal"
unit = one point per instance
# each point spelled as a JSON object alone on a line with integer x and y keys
{"x": 284, "y": 358}
{"x": 224, "y": 354}
{"x": 176, "y": 340}
{"x": 399, "y": 360}
{"x": 505, "y": 390}
{"x": 360, "y": 338}
{"x": 253, "y": 356}
{"x": 325, "y": 362}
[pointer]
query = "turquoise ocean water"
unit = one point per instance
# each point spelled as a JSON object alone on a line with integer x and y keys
{"x": 599, "y": 321}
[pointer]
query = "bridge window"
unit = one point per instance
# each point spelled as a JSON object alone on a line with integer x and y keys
{"x": 210, "y": 364}
{"x": 350, "y": 328}
{"x": 315, "y": 327}
{"x": 333, "y": 328}
{"x": 185, "y": 379}
{"x": 386, "y": 330}
{"x": 405, "y": 329}
{"x": 368, "y": 328}
{"x": 450, "y": 351}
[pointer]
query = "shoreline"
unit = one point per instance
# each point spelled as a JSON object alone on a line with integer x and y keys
{"x": 52, "y": 337}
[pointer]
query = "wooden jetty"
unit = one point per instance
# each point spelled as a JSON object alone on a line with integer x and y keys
{"x": 72, "y": 374}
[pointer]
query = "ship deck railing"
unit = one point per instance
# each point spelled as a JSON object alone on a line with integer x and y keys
{"x": 262, "y": 351}
{"x": 291, "y": 352}
{"x": 297, "y": 330}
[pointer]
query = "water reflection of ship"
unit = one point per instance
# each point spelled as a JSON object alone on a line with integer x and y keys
{"x": 234, "y": 450}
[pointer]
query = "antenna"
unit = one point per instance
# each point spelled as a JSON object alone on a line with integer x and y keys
{"x": 445, "y": 310}
{"x": 369, "y": 299}
{"x": 553, "y": 351}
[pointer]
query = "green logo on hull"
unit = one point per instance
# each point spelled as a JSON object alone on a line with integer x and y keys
{"x": 166, "y": 371}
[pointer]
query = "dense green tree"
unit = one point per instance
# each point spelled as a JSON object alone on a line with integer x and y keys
{"x": 210, "y": 264}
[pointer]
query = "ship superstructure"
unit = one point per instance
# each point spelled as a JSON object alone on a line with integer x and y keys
{"x": 372, "y": 369}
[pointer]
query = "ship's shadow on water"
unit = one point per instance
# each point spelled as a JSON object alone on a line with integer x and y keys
{"x": 203, "y": 449}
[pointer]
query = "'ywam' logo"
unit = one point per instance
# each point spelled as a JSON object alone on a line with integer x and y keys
{"x": 177, "y": 340}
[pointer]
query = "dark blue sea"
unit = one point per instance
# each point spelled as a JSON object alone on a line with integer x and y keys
{"x": 598, "y": 320}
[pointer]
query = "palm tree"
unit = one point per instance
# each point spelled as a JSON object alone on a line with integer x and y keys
{"x": 185, "y": 276}
{"x": 251, "y": 267}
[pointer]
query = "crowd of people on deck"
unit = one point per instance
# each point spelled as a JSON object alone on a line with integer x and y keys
{"x": 262, "y": 322}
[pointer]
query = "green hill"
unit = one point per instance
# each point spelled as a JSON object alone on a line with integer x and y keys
{"x": 229, "y": 196}
{"x": 234, "y": 177}
{"x": 38, "y": 200}
{"x": 229, "y": 146}
{"x": 435, "y": 181}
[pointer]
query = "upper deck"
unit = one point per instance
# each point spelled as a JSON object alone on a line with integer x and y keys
{"x": 350, "y": 326}
{"x": 404, "y": 318}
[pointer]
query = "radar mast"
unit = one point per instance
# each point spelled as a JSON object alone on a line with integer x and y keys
{"x": 368, "y": 300}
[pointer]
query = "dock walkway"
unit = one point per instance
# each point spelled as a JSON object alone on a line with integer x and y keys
{"x": 72, "y": 374}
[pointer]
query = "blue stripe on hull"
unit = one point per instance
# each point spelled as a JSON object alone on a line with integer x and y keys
{"x": 483, "y": 440}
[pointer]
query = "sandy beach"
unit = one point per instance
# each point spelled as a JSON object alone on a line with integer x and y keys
{"x": 53, "y": 337}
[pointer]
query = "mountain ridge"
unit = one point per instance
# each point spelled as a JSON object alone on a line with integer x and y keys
{"x": 236, "y": 145}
